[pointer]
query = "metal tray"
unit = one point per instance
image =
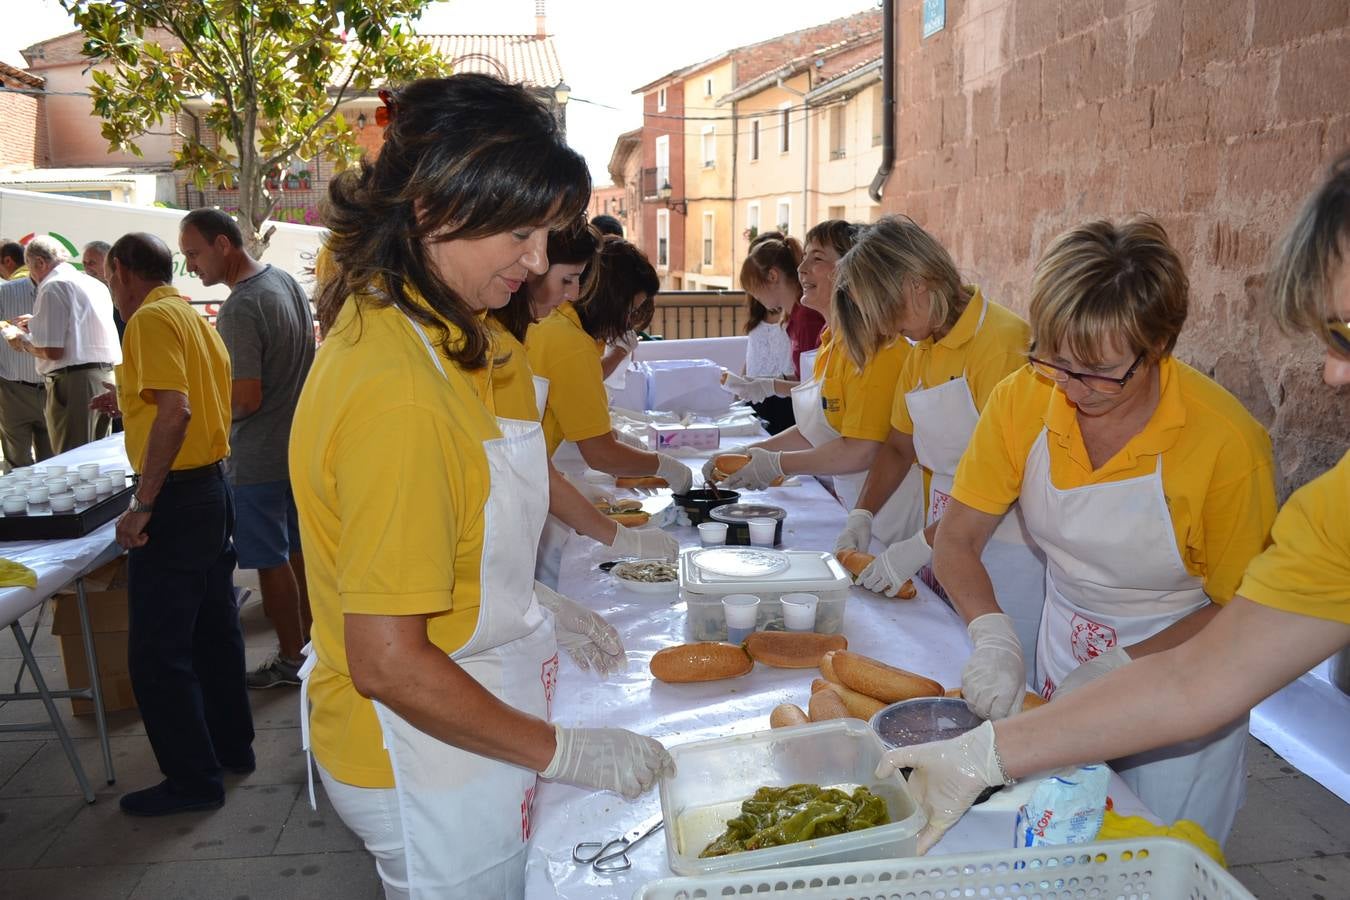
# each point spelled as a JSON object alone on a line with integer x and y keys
{"x": 39, "y": 523}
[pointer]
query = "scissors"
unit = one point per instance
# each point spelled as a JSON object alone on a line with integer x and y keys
{"x": 612, "y": 856}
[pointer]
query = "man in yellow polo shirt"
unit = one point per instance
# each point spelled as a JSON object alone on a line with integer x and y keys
{"x": 185, "y": 650}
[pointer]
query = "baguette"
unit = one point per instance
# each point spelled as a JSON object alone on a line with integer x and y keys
{"x": 877, "y": 679}
{"x": 858, "y": 705}
{"x": 707, "y": 661}
{"x": 1030, "y": 701}
{"x": 819, "y": 684}
{"x": 792, "y": 649}
{"x": 827, "y": 704}
{"x": 632, "y": 481}
{"x": 731, "y": 463}
{"x": 787, "y": 714}
{"x": 855, "y": 561}
{"x": 827, "y": 667}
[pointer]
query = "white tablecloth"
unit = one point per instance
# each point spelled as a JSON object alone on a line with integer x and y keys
{"x": 59, "y": 562}
{"x": 923, "y": 635}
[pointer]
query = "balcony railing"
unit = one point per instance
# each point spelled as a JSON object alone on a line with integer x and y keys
{"x": 698, "y": 314}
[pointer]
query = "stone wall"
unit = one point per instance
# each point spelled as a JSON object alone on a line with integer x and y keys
{"x": 1025, "y": 117}
{"x": 23, "y": 139}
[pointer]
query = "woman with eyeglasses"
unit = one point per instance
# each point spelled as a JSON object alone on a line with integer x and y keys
{"x": 1291, "y": 610}
{"x": 1148, "y": 487}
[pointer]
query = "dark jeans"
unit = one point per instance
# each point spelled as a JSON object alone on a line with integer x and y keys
{"x": 186, "y": 651}
{"x": 776, "y": 413}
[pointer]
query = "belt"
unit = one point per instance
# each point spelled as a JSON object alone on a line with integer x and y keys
{"x": 35, "y": 385}
{"x": 181, "y": 475}
{"x": 107, "y": 367}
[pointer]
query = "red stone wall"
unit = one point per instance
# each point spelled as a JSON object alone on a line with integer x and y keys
{"x": 23, "y": 138}
{"x": 1026, "y": 117}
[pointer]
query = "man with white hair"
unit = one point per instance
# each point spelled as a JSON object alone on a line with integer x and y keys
{"x": 74, "y": 339}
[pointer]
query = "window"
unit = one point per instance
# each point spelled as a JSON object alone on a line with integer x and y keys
{"x": 784, "y": 222}
{"x": 663, "y": 162}
{"x": 707, "y": 238}
{"x": 707, "y": 87}
{"x": 661, "y": 100}
{"x": 754, "y": 140}
{"x": 752, "y": 219}
{"x": 838, "y": 132}
{"x": 663, "y": 237}
{"x": 784, "y": 133}
{"x": 878, "y": 115}
{"x": 709, "y": 146}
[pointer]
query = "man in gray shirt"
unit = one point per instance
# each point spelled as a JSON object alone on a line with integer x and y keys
{"x": 268, "y": 328}
{"x": 23, "y": 394}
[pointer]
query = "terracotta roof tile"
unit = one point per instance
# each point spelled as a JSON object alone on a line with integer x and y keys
{"x": 524, "y": 58}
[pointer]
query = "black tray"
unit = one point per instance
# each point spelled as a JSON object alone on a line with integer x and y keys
{"x": 39, "y": 523}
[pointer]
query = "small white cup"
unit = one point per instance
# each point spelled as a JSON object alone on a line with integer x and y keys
{"x": 762, "y": 532}
{"x": 85, "y": 492}
{"x": 741, "y": 610}
{"x": 22, "y": 471}
{"x": 57, "y": 484}
{"x": 712, "y": 534}
{"x": 63, "y": 502}
{"x": 15, "y": 504}
{"x": 88, "y": 471}
{"x": 103, "y": 484}
{"x": 38, "y": 495}
{"x": 53, "y": 471}
{"x": 118, "y": 477}
{"x": 799, "y": 611}
{"x": 37, "y": 473}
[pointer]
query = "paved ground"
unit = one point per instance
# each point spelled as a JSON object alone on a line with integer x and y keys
{"x": 1292, "y": 839}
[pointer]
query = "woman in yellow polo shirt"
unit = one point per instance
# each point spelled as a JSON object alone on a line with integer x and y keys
{"x": 1295, "y": 596}
{"x": 842, "y": 410}
{"x": 1148, "y": 487}
{"x": 434, "y": 654}
{"x": 567, "y": 349}
{"x": 899, "y": 278}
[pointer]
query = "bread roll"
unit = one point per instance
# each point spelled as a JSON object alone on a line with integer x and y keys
{"x": 632, "y": 481}
{"x": 786, "y": 715}
{"x": 826, "y": 704}
{"x": 855, "y": 561}
{"x": 858, "y": 705}
{"x": 1030, "y": 701}
{"x": 877, "y": 679}
{"x": 630, "y": 519}
{"x": 731, "y": 463}
{"x": 827, "y": 667}
{"x": 792, "y": 649}
{"x": 706, "y": 661}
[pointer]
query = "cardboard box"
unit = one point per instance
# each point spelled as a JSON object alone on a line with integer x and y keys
{"x": 694, "y": 437}
{"x": 106, "y": 596}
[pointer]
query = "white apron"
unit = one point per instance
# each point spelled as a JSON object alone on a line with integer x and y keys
{"x": 548, "y": 561}
{"x": 465, "y": 817}
{"x": 902, "y": 514}
{"x": 944, "y": 419}
{"x": 1114, "y": 577}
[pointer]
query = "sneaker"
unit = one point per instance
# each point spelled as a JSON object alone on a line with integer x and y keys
{"x": 274, "y": 673}
{"x": 163, "y": 800}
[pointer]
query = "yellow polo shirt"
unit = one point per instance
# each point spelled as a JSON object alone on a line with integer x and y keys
{"x": 1217, "y": 469}
{"x": 857, "y": 402}
{"x": 559, "y": 349}
{"x": 168, "y": 346}
{"x": 512, "y": 378}
{"x": 1306, "y": 570}
{"x": 390, "y": 480}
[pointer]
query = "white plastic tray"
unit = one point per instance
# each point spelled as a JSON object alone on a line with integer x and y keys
{"x": 1155, "y": 868}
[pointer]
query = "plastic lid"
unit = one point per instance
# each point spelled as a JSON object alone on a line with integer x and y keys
{"x": 807, "y": 570}
{"x": 741, "y": 562}
{"x": 740, "y": 512}
{"x": 924, "y": 719}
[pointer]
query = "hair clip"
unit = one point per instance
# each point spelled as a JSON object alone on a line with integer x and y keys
{"x": 385, "y": 114}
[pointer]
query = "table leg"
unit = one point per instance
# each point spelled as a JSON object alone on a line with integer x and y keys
{"x": 57, "y": 725}
{"x": 95, "y": 678}
{"x": 32, "y": 636}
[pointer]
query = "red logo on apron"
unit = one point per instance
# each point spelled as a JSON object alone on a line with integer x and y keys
{"x": 939, "y": 501}
{"x": 1089, "y": 639}
{"x": 525, "y": 806}
{"x": 548, "y": 675}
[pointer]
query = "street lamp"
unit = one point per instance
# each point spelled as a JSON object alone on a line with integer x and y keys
{"x": 561, "y": 93}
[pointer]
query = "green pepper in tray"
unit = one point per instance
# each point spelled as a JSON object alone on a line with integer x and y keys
{"x": 800, "y": 812}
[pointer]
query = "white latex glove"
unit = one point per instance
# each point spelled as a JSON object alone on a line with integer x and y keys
{"x": 608, "y": 759}
{"x": 948, "y": 776}
{"x": 676, "y": 473}
{"x": 757, "y": 390}
{"x": 759, "y": 472}
{"x": 1092, "y": 670}
{"x": 645, "y": 543}
{"x": 628, "y": 343}
{"x": 586, "y": 636}
{"x": 897, "y": 564}
{"x": 708, "y": 466}
{"x": 857, "y": 533}
{"x": 994, "y": 680}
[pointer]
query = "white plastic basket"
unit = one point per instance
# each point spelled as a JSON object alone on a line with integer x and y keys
{"x": 1144, "y": 869}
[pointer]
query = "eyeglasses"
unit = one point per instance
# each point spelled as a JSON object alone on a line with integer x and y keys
{"x": 1340, "y": 336}
{"x": 1102, "y": 384}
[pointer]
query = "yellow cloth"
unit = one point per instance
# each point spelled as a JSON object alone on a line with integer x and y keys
{"x": 168, "y": 346}
{"x": 1306, "y": 570}
{"x": 1118, "y": 827}
{"x": 13, "y": 574}
{"x": 390, "y": 480}
{"x": 984, "y": 353}
{"x": 857, "y": 402}
{"x": 20, "y": 272}
{"x": 559, "y": 349}
{"x": 512, "y": 377}
{"x": 1217, "y": 468}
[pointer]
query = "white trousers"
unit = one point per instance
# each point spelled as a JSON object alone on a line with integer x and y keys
{"x": 372, "y": 814}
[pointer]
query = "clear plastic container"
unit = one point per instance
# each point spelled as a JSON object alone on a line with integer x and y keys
{"x": 713, "y": 777}
{"x": 809, "y": 571}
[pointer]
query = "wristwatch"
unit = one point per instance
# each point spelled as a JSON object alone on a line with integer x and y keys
{"x": 138, "y": 507}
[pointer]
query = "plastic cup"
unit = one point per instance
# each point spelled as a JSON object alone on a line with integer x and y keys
{"x": 85, "y": 492}
{"x": 799, "y": 611}
{"x": 118, "y": 476}
{"x": 741, "y": 610}
{"x": 88, "y": 471}
{"x": 712, "y": 534}
{"x": 53, "y": 471}
{"x": 58, "y": 484}
{"x": 762, "y": 532}
{"x": 103, "y": 484}
{"x": 15, "y": 503}
{"x": 62, "y": 502}
{"x": 38, "y": 494}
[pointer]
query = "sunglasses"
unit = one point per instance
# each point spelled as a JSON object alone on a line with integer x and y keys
{"x": 1340, "y": 336}
{"x": 1102, "y": 384}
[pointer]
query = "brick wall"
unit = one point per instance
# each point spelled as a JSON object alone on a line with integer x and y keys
{"x": 757, "y": 59}
{"x": 1026, "y": 117}
{"x": 23, "y": 137}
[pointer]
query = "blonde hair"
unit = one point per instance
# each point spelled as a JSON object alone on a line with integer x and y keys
{"x": 871, "y": 279}
{"x": 1307, "y": 258}
{"x": 1103, "y": 282}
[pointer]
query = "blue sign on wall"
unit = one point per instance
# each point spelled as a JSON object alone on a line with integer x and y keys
{"x": 934, "y": 16}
